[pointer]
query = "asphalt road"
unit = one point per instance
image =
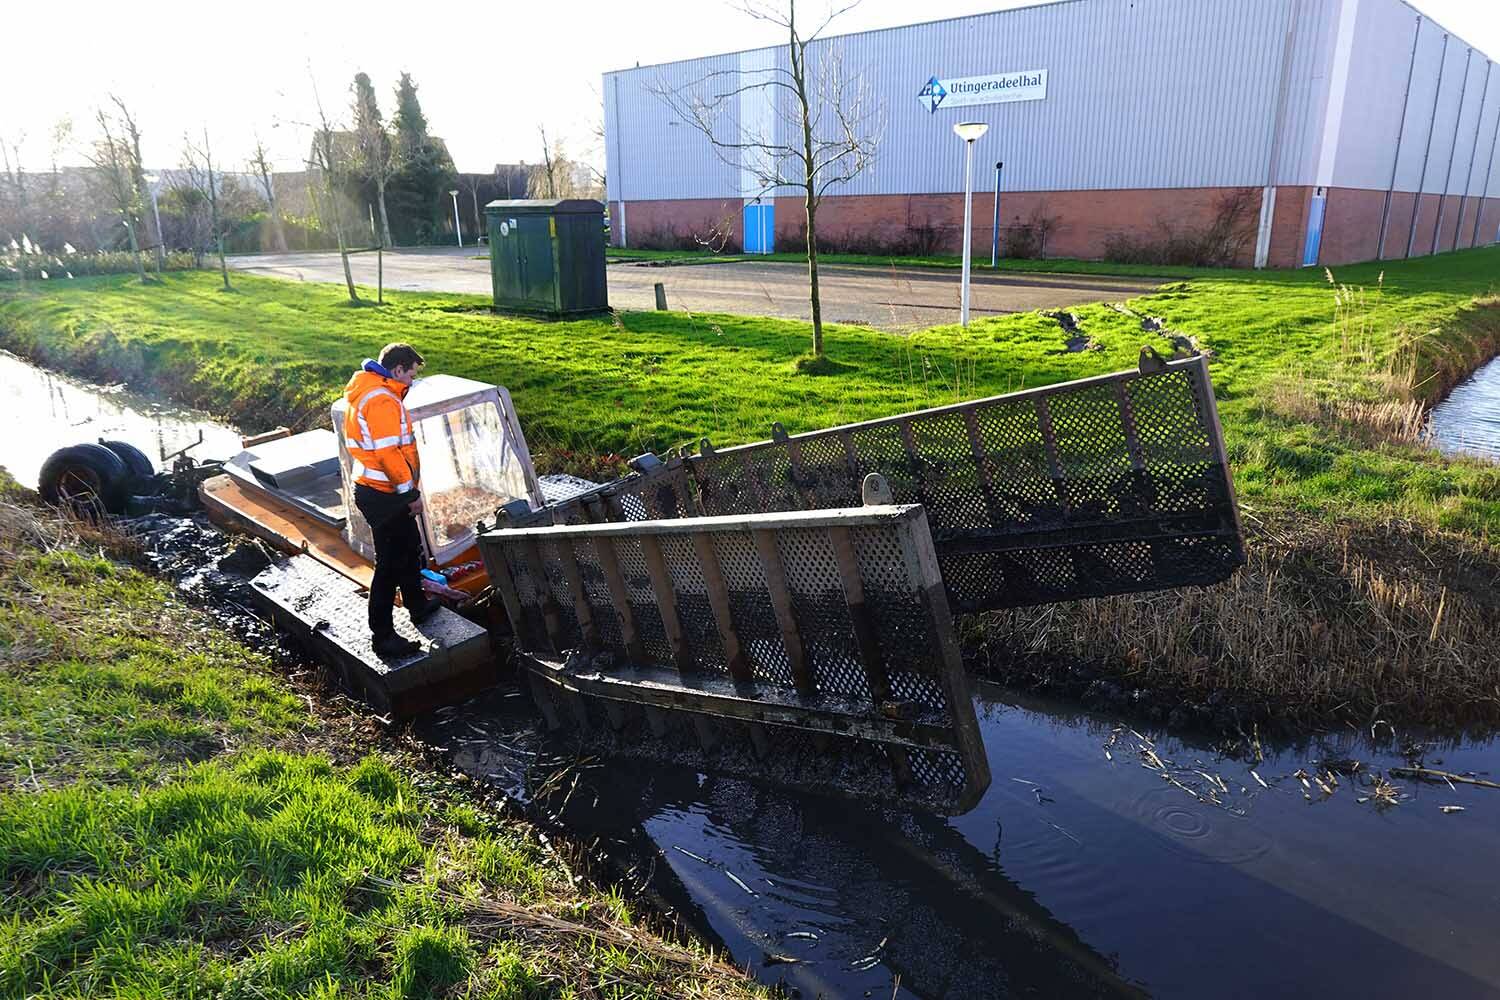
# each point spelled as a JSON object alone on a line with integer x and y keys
{"x": 885, "y": 298}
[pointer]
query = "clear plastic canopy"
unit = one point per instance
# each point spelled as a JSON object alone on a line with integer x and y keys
{"x": 474, "y": 459}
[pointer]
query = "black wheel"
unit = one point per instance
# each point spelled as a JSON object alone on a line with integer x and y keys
{"x": 136, "y": 462}
{"x": 89, "y": 478}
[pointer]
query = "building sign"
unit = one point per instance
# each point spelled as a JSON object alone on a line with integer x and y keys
{"x": 996, "y": 88}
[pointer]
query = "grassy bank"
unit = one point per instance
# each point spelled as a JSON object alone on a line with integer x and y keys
{"x": 1322, "y": 386}
{"x": 176, "y": 822}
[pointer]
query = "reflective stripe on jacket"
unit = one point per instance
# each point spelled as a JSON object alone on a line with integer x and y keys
{"x": 378, "y": 433}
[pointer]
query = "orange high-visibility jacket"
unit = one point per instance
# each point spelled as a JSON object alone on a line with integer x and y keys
{"x": 378, "y": 432}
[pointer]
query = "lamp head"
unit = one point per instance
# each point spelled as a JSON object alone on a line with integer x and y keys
{"x": 969, "y": 131}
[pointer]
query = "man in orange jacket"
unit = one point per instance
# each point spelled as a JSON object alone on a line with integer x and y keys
{"x": 386, "y": 472}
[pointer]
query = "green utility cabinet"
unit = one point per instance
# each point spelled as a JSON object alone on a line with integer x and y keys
{"x": 547, "y": 256}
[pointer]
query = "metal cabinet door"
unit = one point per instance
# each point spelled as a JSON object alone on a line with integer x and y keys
{"x": 505, "y": 263}
{"x": 539, "y": 274}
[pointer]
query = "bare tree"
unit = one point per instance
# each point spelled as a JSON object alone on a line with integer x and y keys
{"x": 822, "y": 130}
{"x": 471, "y": 183}
{"x": 559, "y": 175}
{"x": 199, "y": 162}
{"x": 133, "y": 134}
{"x": 117, "y": 171}
{"x": 262, "y": 168}
{"x": 374, "y": 159}
{"x": 550, "y": 165}
{"x": 326, "y": 159}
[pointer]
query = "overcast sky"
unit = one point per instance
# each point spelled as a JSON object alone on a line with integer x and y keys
{"x": 488, "y": 73}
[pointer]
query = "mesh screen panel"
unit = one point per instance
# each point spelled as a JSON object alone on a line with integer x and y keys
{"x": 726, "y": 597}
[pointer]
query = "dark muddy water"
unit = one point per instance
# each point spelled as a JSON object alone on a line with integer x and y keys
{"x": 42, "y": 411}
{"x": 1105, "y": 860}
{"x": 1468, "y": 421}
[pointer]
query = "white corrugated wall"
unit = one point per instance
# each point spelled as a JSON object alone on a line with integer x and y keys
{"x": 1141, "y": 94}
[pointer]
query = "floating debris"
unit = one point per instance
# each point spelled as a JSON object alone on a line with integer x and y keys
{"x": 690, "y": 854}
{"x": 1451, "y": 809}
{"x": 1429, "y": 774}
{"x": 736, "y": 880}
{"x": 805, "y": 935}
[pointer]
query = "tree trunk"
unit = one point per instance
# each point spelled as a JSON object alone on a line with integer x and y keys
{"x": 223, "y": 267}
{"x": 338, "y": 233}
{"x": 812, "y": 272}
{"x": 385, "y": 223}
{"x": 799, "y": 78}
{"x": 278, "y": 233}
{"x": 135, "y": 250}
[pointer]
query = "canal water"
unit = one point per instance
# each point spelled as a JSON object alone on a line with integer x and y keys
{"x": 1108, "y": 858}
{"x": 1468, "y": 421}
{"x": 42, "y": 411}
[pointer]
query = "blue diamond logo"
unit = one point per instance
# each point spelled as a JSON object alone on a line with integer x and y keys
{"x": 932, "y": 94}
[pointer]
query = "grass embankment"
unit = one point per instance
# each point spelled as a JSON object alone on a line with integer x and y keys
{"x": 1322, "y": 389}
{"x": 174, "y": 822}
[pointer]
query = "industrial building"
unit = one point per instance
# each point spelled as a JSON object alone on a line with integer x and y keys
{"x": 1334, "y": 131}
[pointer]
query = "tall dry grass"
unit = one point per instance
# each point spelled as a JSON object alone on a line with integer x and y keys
{"x": 1382, "y": 384}
{"x": 1359, "y": 621}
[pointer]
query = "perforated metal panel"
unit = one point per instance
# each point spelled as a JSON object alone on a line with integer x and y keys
{"x": 833, "y": 622}
{"x": 1108, "y": 485}
{"x": 1102, "y": 486}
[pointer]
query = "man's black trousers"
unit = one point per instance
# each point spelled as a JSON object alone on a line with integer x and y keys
{"x": 398, "y": 554}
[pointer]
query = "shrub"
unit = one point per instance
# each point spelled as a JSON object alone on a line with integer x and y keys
{"x": 1219, "y": 243}
{"x": 715, "y": 237}
{"x": 15, "y": 264}
{"x": 1028, "y": 240}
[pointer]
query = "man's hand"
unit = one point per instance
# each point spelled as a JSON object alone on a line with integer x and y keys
{"x": 415, "y": 507}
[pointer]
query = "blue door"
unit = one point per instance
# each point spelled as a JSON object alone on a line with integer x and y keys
{"x": 760, "y": 228}
{"x": 1314, "y": 229}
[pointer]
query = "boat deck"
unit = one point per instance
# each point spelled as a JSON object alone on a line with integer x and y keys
{"x": 327, "y": 611}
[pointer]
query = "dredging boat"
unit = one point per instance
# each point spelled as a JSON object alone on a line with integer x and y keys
{"x": 784, "y": 608}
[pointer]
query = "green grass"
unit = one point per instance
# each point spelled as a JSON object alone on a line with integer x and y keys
{"x": 1286, "y": 356}
{"x": 175, "y": 823}
{"x": 981, "y": 262}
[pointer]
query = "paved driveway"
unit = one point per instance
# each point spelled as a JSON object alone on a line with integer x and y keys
{"x": 886, "y": 298}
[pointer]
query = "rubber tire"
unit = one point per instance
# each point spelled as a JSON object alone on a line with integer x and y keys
{"x": 91, "y": 467}
{"x": 136, "y": 462}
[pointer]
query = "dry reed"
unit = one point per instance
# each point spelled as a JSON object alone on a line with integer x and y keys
{"x": 1395, "y": 620}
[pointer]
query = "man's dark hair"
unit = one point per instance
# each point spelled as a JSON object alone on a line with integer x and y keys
{"x": 393, "y": 356}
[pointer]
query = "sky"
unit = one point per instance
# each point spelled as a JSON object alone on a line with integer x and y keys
{"x": 488, "y": 74}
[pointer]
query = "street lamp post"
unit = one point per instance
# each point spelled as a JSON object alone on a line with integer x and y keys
{"x": 457, "y": 227}
{"x": 153, "y": 179}
{"x": 995, "y": 233}
{"x": 968, "y": 132}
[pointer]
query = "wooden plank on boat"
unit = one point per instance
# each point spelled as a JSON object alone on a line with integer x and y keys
{"x": 233, "y": 507}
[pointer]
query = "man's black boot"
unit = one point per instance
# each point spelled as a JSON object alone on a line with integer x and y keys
{"x": 425, "y": 610}
{"x": 394, "y": 647}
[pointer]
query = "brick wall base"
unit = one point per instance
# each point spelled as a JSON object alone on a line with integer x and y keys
{"x": 1080, "y": 224}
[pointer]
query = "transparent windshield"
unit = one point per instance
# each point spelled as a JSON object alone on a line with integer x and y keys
{"x": 469, "y": 467}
